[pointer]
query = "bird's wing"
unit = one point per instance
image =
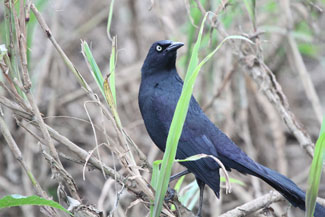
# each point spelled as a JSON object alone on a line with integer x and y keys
{"x": 205, "y": 169}
{"x": 193, "y": 140}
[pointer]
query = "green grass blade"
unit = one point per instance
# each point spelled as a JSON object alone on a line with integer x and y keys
{"x": 195, "y": 52}
{"x": 194, "y": 195}
{"x": 196, "y": 15}
{"x": 233, "y": 181}
{"x": 154, "y": 178}
{"x": 112, "y": 62}
{"x": 155, "y": 172}
{"x": 109, "y": 19}
{"x": 96, "y": 73}
{"x": 106, "y": 87}
{"x": 111, "y": 103}
{"x": 179, "y": 183}
{"x": 315, "y": 173}
{"x": 112, "y": 59}
{"x": 190, "y": 196}
{"x": 19, "y": 200}
{"x": 177, "y": 187}
{"x": 322, "y": 129}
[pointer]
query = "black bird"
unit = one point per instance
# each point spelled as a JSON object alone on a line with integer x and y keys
{"x": 159, "y": 92}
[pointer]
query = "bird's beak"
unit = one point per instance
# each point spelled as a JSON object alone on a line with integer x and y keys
{"x": 174, "y": 46}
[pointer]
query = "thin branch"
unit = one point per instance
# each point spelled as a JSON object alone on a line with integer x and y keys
{"x": 67, "y": 61}
{"x": 220, "y": 89}
{"x": 299, "y": 63}
{"x": 17, "y": 153}
{"x": 267, "y": 82}
{"x": 254, "y": 205}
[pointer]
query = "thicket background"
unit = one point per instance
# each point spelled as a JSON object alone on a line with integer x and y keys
{"x": 233, "y": 100}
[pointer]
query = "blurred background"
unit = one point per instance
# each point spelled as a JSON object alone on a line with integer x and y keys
{"x": 224, "y": 89}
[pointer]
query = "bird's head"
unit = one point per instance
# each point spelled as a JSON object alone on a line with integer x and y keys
{"x": 161, "y": 56}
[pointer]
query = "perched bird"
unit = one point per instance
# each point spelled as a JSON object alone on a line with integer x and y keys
{"x": 159, "y": 92}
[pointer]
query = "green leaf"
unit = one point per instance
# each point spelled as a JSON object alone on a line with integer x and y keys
{"x": 190, "y": 196}
{"x": 19, "y": 200}
{"x": 154, "y": 179}
{"x": 112, "y": 62}
{"x": 234, "y": 181}
{"x": 109, "y": 18}
{"x": 96, "y": 73}
{"x": 110, "y": 100}
{"x": 106, "y": 87}
{"x": 195, "y": 16}
{"x": 193, "y": 196}
{"x": 315, "y": 173}
{"x": 195, "y": 53}
{"x": 179, "y": 183}
{"x": 322, "y": 129}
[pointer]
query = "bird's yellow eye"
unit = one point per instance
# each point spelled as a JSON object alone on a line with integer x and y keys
{"x": 158, "y": 48}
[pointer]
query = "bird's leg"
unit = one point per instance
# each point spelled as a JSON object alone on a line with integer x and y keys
{"x": 178, "y": 175}
{"x": 201, "y": 187}
{"x": 171, "y": 192}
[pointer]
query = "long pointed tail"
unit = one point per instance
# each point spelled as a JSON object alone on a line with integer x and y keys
{"x": 287, "y": 188}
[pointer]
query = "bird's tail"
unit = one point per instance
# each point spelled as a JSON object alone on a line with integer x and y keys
{"x": 286, "y": 187}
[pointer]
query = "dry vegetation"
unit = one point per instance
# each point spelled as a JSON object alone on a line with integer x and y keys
{"x": 267, "y": 98}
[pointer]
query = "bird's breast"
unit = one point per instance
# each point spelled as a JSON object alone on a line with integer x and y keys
{"x": 157, "y": 101}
